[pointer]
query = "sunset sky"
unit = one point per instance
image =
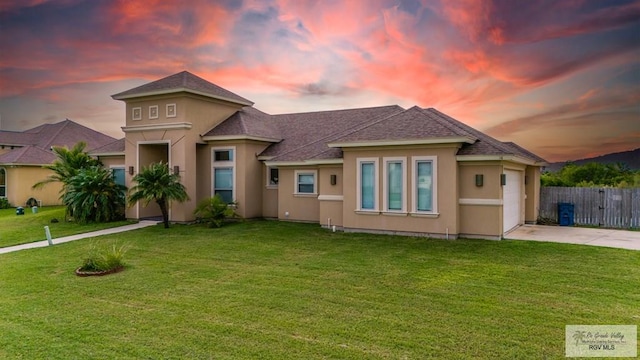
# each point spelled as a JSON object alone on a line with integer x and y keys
{"x": 561, "y": 78}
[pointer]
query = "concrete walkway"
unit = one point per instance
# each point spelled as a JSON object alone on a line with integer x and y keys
{"x": 621, "y": 239}
{"x": 115, "y": 230}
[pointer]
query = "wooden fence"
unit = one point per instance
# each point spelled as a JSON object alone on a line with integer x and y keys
{"x": 605, "y": 207}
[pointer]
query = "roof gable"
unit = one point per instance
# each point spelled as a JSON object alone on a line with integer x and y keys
{"x": 248, "y": 122}
{"x": 182, "y": 82}
{"x": 35, "y": 143}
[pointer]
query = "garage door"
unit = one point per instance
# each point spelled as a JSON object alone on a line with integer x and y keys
{"x": 511, "y": 194}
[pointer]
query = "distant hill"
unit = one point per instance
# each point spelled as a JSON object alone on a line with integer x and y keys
{"x": 631, "y": 158}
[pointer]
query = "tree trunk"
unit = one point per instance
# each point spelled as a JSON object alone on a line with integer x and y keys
{"x": 165, "y": 213}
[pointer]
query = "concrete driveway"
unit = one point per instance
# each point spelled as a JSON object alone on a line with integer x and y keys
{"x": 621, "y": 239}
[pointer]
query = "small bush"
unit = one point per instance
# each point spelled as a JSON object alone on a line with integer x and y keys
{"x": 4, "y": 203}
{"x": 213, "y": 211}
{"x": 104, "y": 258}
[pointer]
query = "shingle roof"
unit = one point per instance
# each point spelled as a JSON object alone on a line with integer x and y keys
{"x": 485, "y": 145}
{"x": 34, "y": 145}
{"x": 182, "y": 81}
{"x": 412, "y": 124}
{"x": 248, "y": 121}
{"x": 115, "y": 147}
{"x": 305, "y": 135}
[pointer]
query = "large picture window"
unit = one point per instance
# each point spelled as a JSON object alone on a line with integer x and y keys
{"x": 424, "y": 184}
{"x": 395, "y": 184}
{"x": 367, "y": 178}
{"x": 223, "y": 174}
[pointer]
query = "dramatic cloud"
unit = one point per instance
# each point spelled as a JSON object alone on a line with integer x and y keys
{"x": 559, "y": 77}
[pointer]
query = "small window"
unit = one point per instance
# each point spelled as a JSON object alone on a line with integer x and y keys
{"x": 273, "y": 176}
{"x": 171, "y": 110}
{"x": 118, "y": 175}
{"x": 153, "y": 112}
{"x": 3, "y": 182}
{"x": 136, "y": 113}
{"x": 305, "y": 182}
{"x": 223, "y": 155}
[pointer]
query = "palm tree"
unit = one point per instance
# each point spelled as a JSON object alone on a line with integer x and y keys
{"x": 67, "y": 164}
{"x": 93, "y": 195}
{"x": 157, "y": 183}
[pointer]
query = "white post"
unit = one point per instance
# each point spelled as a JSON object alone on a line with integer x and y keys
{"x": 48, "y": 233}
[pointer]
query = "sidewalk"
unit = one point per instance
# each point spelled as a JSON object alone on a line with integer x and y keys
{"x": 115, "y": 230}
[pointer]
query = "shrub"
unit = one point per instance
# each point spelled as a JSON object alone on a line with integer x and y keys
{"x": 4, "y": 203}
{"x": 213, "y": 211}
{"x": 104, "y": 258}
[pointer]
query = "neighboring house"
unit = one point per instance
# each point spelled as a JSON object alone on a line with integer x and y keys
{"x": 23, "y": 155}
{"x": 379, "y": 169}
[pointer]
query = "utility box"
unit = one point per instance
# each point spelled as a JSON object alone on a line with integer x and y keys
{"x": 565, "y": 214}
{"x": 34, "y": 209}
{"x": 19, "y": 210}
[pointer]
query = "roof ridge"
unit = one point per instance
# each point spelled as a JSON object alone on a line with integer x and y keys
{"x": 336, "y": 110}
{"x": 333, "y": 134}
{"x": 52, "y": 137}
{"x": 497, "y": 144}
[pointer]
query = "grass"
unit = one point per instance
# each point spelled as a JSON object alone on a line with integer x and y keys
{"x": 20, "y": 229}
{"x": 274, "y": 290}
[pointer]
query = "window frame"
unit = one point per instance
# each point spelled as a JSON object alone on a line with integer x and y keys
{"x": 4, "y": 186}
{"x": 133, "y": 113}
{"x": 151, "y": 111}
{"x": 224, "y": 165}
{"x": 385, "y": 183}
{"x": 415, "y": 160}
{"x": 175, "y": 110}
{"x": 270, "y": 184}
{"x": 376, "y": 187}
{"x": 297, "y": 174}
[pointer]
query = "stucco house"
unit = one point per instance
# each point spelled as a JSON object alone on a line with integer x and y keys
{"x": 24, "y": 153}
{"x": 379, "y": 169}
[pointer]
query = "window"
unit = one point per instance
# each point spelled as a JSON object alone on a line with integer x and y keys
{"x": 118, "y": 175}
{"x": 424, "y": 184}
{"x": 272, "y": 176}
{"x": 171, "y": 110}
{"x": 3, "y": 182}
{"x": 306, "y": 182}
{"x": 136, "y": 113}
{"x": 367, "y": 178}
{"x": 394, "y": 184}
{"x": 224, "y": 174}
{"x": 223, "y": 155}
{"x": 153, "y": 112}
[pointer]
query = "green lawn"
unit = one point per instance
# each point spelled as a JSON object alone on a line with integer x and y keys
{"x": 20, "y": 229}
{"x": 274, "y": 290}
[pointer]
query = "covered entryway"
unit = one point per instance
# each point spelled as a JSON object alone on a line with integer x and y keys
{"x": 512, "y": 200}
{"x": 148, "y": 153}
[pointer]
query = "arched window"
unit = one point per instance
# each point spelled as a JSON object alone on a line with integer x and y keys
{"x": 3, "y": 182}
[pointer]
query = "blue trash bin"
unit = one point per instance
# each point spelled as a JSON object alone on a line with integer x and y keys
{"x": 565, "y": 214}
{"x": 19, "y": 210}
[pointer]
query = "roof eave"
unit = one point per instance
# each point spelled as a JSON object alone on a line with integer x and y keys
{"x": 506, "y": 157}
{"x": 429, "y": 141}
{"x": 239, "y": 137}
{"x": 304, "y": 162}
{"x": 177, "y": 90}
{"x": 110, "y": 153}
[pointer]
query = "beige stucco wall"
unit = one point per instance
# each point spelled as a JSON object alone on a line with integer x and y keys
{"x": 446, "y": 222}
{"x": 532, "y": 191}
{"x": 269, "y": 197}
{"x": 298, "y": 207}
{"x": 112, "y": 161}
{"x": 20, "y": 179}
{"x": 480, "y": 219}
{"x": 330, "y": 197}
{"x": 201, "y": 114}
